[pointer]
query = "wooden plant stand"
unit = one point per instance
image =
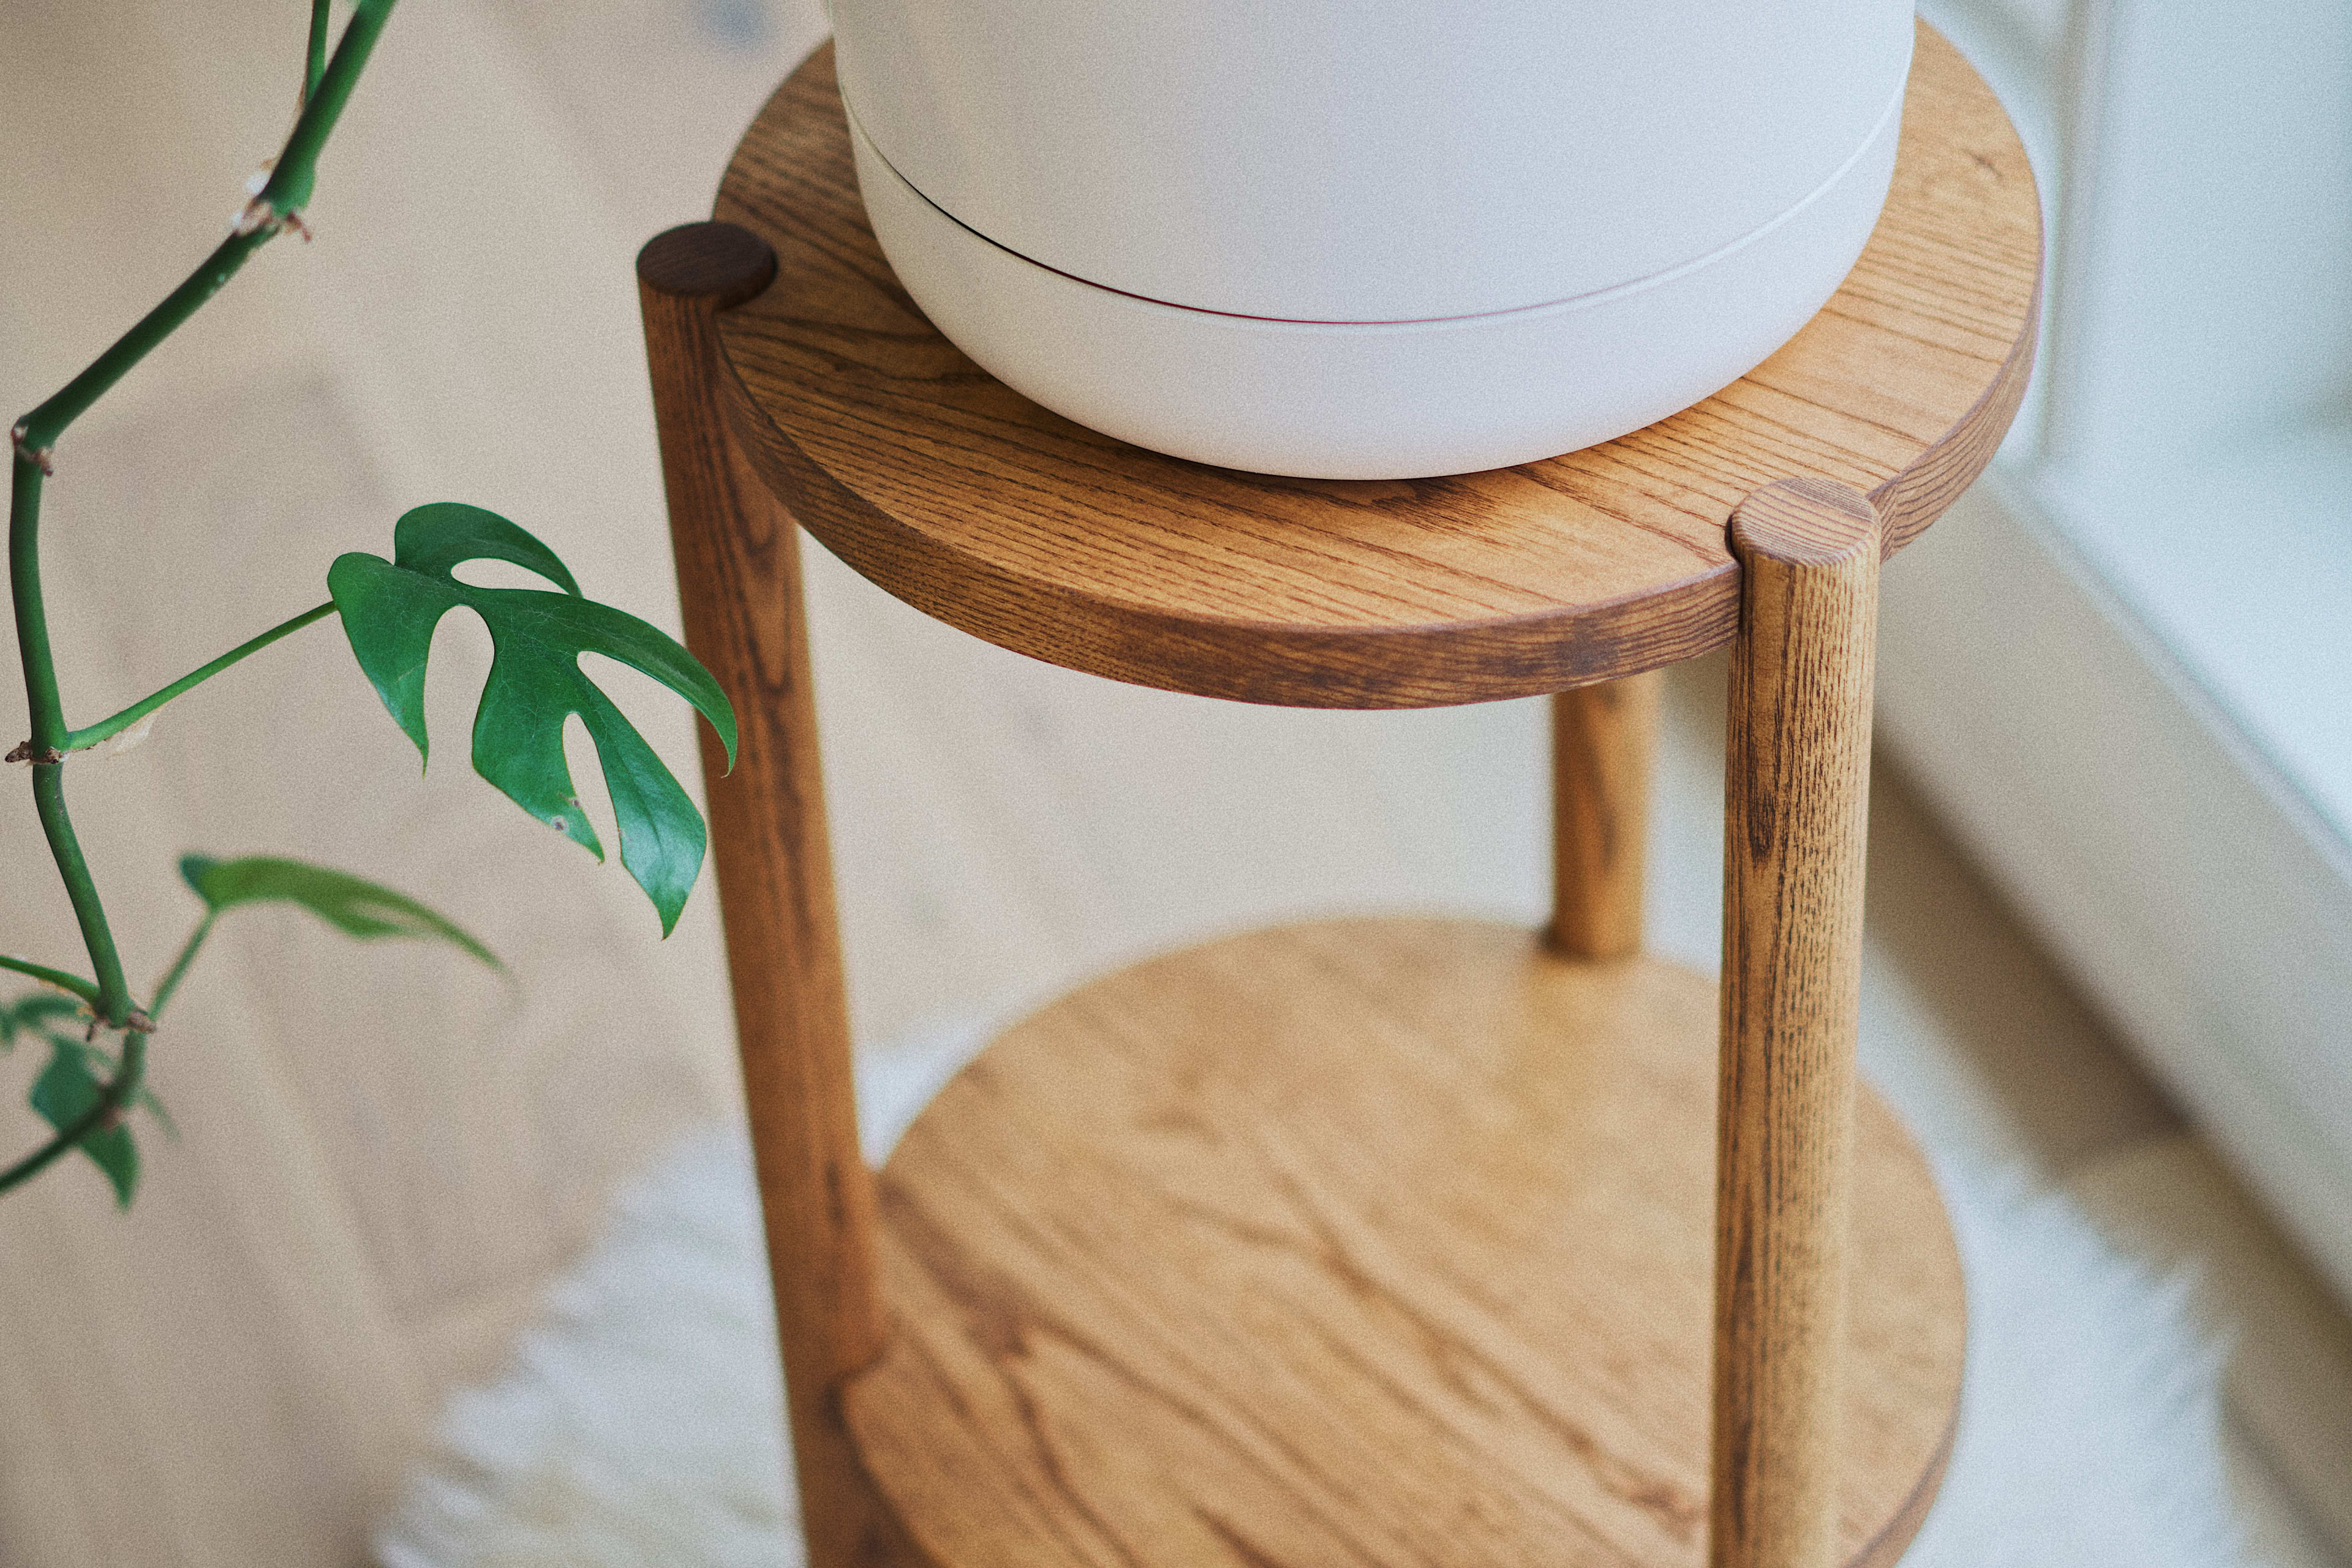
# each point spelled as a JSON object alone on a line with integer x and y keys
{"x": 1367, "y": 1244}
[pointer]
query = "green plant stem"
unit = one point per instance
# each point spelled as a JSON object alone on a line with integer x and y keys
{"x": 291, "y": 181}
{"x": 113, "y": 1000}
{"x": 56, "y": 977}
{"x": 39, "y": 431}
{"x": 49, "y": 801}
{"x": 107, "y": 728}
{"x": 179, "y": 970}
{"x": 288, "y": 191}
{"x": 111, "y": 996}
{"x": 314, "y": 59}
{"x": 112, "y": 1004}
{"x": 32, "y": 615}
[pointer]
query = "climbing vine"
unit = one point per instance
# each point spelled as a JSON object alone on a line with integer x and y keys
{"x": 95, "y": 1026}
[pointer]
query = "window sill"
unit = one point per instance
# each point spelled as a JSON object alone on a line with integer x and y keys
{"x": 2136, "y": 746}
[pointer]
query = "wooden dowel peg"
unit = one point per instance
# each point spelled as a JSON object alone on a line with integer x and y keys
{"x": 739, "y": 577}
{"x": 1602, "y": 739}
{"x": 1795, "y": 801}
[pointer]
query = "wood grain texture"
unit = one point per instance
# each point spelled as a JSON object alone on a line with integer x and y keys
{"x": 739, "y": 579}
{"x": 1604, "y": 738}
{"x": 1380, "y": 1242}
{"x": 964, "y": 499}
{"x": 1796, "y": 808}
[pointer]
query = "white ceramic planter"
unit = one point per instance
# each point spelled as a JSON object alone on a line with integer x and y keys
{"x": 1357, "y": 239}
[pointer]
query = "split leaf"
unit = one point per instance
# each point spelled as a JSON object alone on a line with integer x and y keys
{"x": 353, "y": 905}
{"x": 389, "y": 610}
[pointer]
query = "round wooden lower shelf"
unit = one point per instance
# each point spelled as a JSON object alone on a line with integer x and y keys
{"x": 1370, "y": 1243}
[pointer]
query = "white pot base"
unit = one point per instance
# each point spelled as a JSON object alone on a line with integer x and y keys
{"x": 1378, "y": 400}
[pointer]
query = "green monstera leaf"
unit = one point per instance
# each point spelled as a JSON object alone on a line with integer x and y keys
{"x": 353, "y": 905}
{"x": 389, "y": 610}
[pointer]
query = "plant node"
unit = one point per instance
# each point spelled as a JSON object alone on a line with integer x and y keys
{"x": 26, "y": 751}
{"x": 37, "y": 455}
{"x": 261, "y": 215}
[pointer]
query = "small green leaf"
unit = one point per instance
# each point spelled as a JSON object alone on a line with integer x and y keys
{"x": 37, "y": 1013}
{"x": 146, "y": 1100}
{"x": 389, "y": 610}
{"x": 65, "y": 1092}
{"x": 353, "y": 905}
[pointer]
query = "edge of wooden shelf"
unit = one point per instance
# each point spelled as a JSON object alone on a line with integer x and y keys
{"x": 963, "y": 498}
{"x": 1300, "y": 1246}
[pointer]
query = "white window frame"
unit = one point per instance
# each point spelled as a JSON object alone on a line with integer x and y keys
{"x": 2122, "y": 669}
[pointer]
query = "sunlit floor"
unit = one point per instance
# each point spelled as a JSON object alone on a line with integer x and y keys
{"x": 382, "y": 1158}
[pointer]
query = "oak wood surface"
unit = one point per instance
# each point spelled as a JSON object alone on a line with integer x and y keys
{"x": 1377, "y": 1242}
{"x": 1604, "y": 738}
{"x": 739, "y": 581}
{"x": 963, "y": 497}
{"x": 1796, "y": 804}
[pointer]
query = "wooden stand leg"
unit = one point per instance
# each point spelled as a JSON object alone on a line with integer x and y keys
{"x": 1796, "y": 804}
{"x": 1603, "y": 738}
{"x": 739, "y": 576}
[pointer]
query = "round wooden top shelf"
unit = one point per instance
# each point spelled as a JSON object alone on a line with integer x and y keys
{"x": 967, "y": 500}
{"x": 1367, "y": 1244}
